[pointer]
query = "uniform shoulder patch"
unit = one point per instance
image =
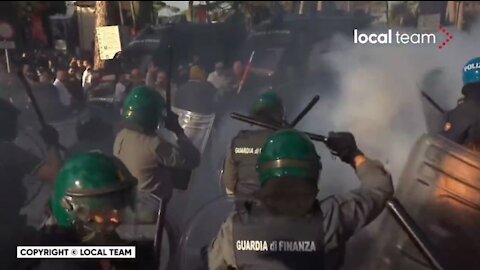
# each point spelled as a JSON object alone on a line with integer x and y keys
{"x": 447, "y": 126}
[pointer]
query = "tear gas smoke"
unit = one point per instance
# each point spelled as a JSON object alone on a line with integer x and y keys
{"x": 376, "y": 96}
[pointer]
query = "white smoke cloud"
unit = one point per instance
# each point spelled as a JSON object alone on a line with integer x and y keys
{"x": 377, "y": 95}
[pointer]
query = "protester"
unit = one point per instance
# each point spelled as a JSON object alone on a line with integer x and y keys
{"x": 47, "y": 97}
{"x": 87, "y": 76}
{"x": 161, "y": 84}
{"x": 44, "y": 77}
{"x": 121, "y": 89}
{"x": 182, "y": 76}
{"x": 196, "y": 95}
{"x": 86, "y": 63}
{"x": 246, "y": 83}
{"x": 63, "y": 93}
{"x": 29, "y": 74}
{"x": 151, "y": 76}
{"x": 73, "y": 62}
{"x": 74, "y": 85}
{"x": 71, "y": 73}
{"x": 218, "y": 78}
{"x": 136, "y": 78}
{"x": 81, "y": 68}
{"x": 78, "y": 72}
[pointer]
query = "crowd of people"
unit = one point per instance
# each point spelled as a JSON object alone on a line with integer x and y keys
{"x": 193, "y": 89}
{"x": 60, "y": 84}
{"x": 65, "y": 83}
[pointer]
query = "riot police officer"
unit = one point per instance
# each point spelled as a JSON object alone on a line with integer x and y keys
{"x": 94, "y": 196}
{"x": 463, "y": 122}
{"x": 15, "y": 164}
{"x": 286, "y": 227}
{"x": 148, "y": 155}
{"x": 239, "y": 174}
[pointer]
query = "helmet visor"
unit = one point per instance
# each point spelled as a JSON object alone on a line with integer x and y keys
{"x": 103, "y": 219}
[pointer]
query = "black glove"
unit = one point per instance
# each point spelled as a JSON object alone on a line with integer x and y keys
{"x": 49, "y": 135}
{"x": 343, "y": 145}
{"x": 171, "y": 123}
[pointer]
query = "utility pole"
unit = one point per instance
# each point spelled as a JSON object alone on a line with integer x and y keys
{"x": 101, "y": 12}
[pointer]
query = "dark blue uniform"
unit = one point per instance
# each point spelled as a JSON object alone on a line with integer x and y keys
{"x": 462, "y": 122}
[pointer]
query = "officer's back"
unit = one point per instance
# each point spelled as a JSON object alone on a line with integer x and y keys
{"x": 245, "y": 149}
{"x": 240, "y": 176}
{"x": 285, "y": 227}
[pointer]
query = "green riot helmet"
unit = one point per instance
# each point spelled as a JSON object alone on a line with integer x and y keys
{"x": 94, "y": 194}
{"x": 288, "y": 153}
{"x": 145, "y": 107}
{"x": 268, "y": 108}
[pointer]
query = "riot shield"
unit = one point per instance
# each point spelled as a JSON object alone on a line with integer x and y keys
{"x": 440, "y": 188}
{"x": 145, "y": 232}
{"x": 29, "y": 139}
{"x": 37, "y": 192}
{"x": 197, "y": 126}
{"x": 67, "y": 127}
{"x": 202, "y": 229}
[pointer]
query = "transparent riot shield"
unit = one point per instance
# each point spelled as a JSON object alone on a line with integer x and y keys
{"x": 67, "y": 128}
{"x": 147, "y": 232}
{"x": 197, "y": 126}
{"x": 29, "y": 139}
{"x": 37, "y": 192}
{"x": 202, "y": 229}
{"x": 440, "y": 189}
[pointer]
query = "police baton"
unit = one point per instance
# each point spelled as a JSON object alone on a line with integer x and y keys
{"x": 246, "y": 119}
{"x": 38, "y": 112}
{"x": 416, "y": 235}
{"x": 304, "y": 112}
{"x": 431, "y": 101}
